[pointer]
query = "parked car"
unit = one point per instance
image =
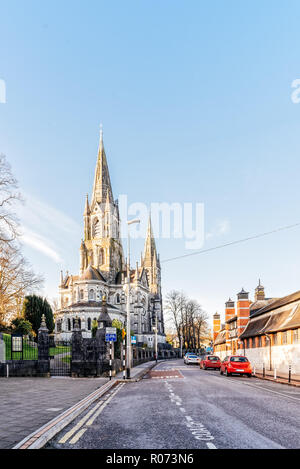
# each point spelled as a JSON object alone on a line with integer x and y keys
{"x": 210, "y": 361}
{"x": 191, "y": 358}
{"x": 236, "y": 364}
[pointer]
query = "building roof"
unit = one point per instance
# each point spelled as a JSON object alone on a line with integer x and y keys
{"x": 91, "y": 274}
{"x": 255, "y": 327}
{"x": 273, "y": 322}
{"x": 234, "y": 318}
{"x": 89, "y": 304}
{"x": 259, "y": 304}
{"x": 221, "y": 338}
{"x": 285, "y": 300}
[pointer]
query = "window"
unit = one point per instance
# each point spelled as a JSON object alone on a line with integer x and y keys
{"x": 91, "y": 295}
{"x": 284, "y": 337}
{"x": 81, "y": 294}
{"x": 275, "y": 341}
{"x": 69, "y": 324}
{"x": 238, "y": 359}
{"x": 259, "y": 341}
{"x": 253, "y": 342}
{"x": 117, "y": 298}
{"x": 296, "y": 336}
{"x": 248, "y": 343}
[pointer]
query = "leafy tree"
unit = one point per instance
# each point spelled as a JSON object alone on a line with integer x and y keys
{"x": 21, "y": 326}
{"x": 33, "y": 308}
{"x": 94, "y": 327}
{"x": 119, "y": 326}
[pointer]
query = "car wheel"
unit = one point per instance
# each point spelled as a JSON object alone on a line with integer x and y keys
{"x": 221, "y": 372}
{"x": 249, "y": 375}
{"x": 204, "y": 367}
{"x": 226, "y": 372}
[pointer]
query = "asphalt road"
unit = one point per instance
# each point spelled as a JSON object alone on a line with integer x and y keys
{"x": 198, "y": 409}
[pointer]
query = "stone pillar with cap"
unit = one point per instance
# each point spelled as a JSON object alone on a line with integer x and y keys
{"x": 43, "y": 349}
{"x": 78, "y": 359}
{"x": 104, "y": 321}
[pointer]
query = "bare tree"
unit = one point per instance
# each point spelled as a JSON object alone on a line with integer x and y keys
{"x": 9, "y": 195}
{"x": 16, "y": 277}
{"x": 16, "y": 280}
{"x": 175, "y": 307}
{"x": 188, "y": 318}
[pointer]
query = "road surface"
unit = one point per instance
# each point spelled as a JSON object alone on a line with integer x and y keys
{"x": 183, "y": 407}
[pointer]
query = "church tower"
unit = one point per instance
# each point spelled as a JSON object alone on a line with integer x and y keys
{"x": 150, "y": 261}
{"x": 102, "y": 247}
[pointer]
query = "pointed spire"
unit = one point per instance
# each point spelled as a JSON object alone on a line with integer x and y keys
{"x": 87, "y": 210}
{"x": 102, "y": 184}
{"x": 150, "y": 247}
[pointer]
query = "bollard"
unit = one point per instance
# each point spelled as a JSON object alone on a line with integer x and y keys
{"x": 7, "y": 370}
{"x": 290, "y": 373}
{"x": 254, "y": 371}
{"x": 264, "y": 371}
{"x": 275, "y": 373}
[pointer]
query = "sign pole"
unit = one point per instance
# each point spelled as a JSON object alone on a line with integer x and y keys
{"x": 110, "y": 360}
{"x": 124, "y": 351}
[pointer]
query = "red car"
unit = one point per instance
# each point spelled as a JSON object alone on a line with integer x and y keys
{"x": 210, "y": 361}
{"x": 236, "y": 364}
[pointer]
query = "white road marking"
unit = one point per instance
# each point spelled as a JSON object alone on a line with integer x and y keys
{"x": 211, "y": 446}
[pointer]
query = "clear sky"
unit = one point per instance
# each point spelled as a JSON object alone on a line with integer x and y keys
{"x": 195, "y": 101}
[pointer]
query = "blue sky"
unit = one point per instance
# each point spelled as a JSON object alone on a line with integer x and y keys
{"x": 195, "y": 101}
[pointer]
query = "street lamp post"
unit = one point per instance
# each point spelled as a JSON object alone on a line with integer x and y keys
{"x": 128, "y": 335}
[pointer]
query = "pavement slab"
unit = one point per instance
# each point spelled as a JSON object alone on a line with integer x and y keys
{"x": 28, "y": 403}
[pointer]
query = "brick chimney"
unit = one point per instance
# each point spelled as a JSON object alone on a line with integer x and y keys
{"x": 229, "y": 313}
{"x": 216, "y": 325}
{"x": 243, "y": 310}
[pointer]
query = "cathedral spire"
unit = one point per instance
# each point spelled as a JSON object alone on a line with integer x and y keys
{"x": 150, "y": 247}
{"x": 102, "y": 184}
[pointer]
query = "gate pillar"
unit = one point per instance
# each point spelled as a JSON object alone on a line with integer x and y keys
{"x": 43, "y": 349}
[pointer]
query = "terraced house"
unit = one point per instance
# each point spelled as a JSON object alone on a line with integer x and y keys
{"x": 266, "y": 330}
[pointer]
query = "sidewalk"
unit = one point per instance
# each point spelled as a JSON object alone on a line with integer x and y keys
{"x": 281, "y": 377}
{"x": 26, "y": 404}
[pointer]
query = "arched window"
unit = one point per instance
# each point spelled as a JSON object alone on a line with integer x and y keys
{"x": 81, "y": 294}
{"x": 58, "y": 326}
{"x": 89, "y": 324}
{"x": 117, "y": 298}
{"x": 69, "y": 324}
{"x": 97, "y": 229}
{"x": 91, "y": 295}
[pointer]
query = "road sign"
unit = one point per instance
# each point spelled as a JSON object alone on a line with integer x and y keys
{"x": 110, "y": 337}
{"x": 110, "y": 334}
{"x": 133, "y": 339}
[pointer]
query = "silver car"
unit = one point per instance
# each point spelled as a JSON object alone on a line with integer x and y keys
{"x": 191, "y": 358}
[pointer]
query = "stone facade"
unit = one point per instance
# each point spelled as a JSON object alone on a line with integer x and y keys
{"x": 103, "y": 270}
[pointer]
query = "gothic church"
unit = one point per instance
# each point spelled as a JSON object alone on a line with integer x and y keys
{"x": 103, "y": 272}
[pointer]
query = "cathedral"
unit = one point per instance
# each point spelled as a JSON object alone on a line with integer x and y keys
{"x": 103, "y": 272}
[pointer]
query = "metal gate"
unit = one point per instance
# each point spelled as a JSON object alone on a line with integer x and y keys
{"x": 60, "y": 358}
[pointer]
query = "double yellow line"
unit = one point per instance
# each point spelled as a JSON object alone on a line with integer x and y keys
{"x": 88, "y": 419}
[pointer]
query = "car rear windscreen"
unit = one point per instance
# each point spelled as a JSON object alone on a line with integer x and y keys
{"x": 238, "y": 359}
{"x": 213, "y": 359}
